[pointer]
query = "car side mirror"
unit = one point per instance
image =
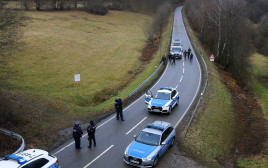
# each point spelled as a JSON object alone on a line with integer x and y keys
{"x": 163, "y": 143}
{"x": 173, "y": 98}
{"x": 135, "y": 136}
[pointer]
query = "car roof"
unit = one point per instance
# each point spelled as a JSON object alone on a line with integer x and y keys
{"x": 27, "y": 155}
{"x": 165, "y": 89}
{"x": 157, "y": 127}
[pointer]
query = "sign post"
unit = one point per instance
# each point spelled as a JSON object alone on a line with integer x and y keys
{"x": 77, "y": 80}
{"x": 211, "y": 58}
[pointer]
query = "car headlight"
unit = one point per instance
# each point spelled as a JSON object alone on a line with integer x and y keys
{"x": 147, "y": 159}
{"x": 125, "y": 153}
{"x": 149, "y": 105}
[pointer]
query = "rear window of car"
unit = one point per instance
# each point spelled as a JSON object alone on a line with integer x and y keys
{"x": 37, "y": 163}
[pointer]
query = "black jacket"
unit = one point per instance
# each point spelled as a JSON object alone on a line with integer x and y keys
{"x": 77, "y": 132}
{"x": 91, "y": 129}
{"x": 118, "y": 103}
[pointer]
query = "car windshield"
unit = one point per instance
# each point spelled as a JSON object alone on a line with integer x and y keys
{"x": 176, "y": 49}
{"x": 162, "y": 95}
{"x": 148, "y": 138}
{"x": 176, "y": 44}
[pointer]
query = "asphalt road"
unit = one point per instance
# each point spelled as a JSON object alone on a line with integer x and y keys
{"x": 113, "y": 136}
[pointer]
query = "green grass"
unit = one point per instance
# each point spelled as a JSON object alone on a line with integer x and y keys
{"x": 210, "y": 134}
{"x": 103, "y": 49}
{"x": 259, "y": 71}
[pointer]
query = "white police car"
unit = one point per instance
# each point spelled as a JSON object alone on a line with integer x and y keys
{"x": 150, "y": 144}
{"x": 32, "y": 158}
{"x": 163, "y": 101}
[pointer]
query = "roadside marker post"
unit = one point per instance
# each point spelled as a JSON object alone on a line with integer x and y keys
{"x": 77, "y": 80}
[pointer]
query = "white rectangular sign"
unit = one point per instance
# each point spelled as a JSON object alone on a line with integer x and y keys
{"x": 77, "y": 77}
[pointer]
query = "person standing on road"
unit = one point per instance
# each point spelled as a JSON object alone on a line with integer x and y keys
{"x": 77, "y": 134}
{"x": 184, "y": 53}
{"x": 163, "y": 60}
{"x": 119, "y": 109}
{"x": 191, "y": 57}
{"x": 189, "y": 52}
{"x": 91, "y": 133}
{"x": 174, "y": 60}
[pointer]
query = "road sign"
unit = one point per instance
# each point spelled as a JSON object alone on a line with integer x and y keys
{"x": 77, "y": 80}
{"x": 77, "y": 77}
{"x": 212, "y": 58}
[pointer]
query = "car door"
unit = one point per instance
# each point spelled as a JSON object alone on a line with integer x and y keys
{"x": 173, "y": 97}
{"x": 148, "y": 96}
{"x": 163, "y": 142}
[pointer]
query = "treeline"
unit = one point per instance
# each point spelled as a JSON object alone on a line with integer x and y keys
{"x": 224, "y": 27}
{"x": 95, "y": 6}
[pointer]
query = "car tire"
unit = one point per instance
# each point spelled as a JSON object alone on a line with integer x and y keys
{"x": 172, "y": 142}
{"x": 155, "y": 161}
{"x": 169, "y": 110}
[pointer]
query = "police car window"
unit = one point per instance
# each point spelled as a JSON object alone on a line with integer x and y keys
{"x": 162, "y": 95}
{"x": 173, "y": 93}
{"x": 37, "y": 163}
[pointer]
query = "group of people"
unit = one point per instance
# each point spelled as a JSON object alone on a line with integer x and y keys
{"x": 78, "y": 132}
{"x": 188, "y": 54}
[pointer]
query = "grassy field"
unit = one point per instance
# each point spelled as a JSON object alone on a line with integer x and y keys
{"x": 210, "y": 135}
{"x": 258, "y": 74}
{"x": 105, "y": 50}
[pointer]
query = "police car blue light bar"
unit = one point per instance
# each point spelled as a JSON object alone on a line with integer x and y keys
{"x": 21, "y": 160}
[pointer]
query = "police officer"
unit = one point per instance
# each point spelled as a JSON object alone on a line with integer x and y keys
{"x": 77, "y": 134}
{"x": 91, "y": 133}
{"x": 184, "y": 53}
{"x": 174, "y": 60}
{"x": 189, "y": 52}
{"x": 191, "y": 57}
{"x": 119, "y": 110}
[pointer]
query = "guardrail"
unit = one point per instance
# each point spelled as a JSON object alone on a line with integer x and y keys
{"x": 15, "y": 135}
{"x": 153, "y": 74}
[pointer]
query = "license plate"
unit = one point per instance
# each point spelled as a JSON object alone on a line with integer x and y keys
{"x": 135, "y": 161}
{"x": 156, "y": 110}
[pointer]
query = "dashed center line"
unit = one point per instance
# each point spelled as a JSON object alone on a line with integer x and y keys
{"x": 183, "y": 70}
{"x": 136, "y": 125}
{"x": 181, "y": 78}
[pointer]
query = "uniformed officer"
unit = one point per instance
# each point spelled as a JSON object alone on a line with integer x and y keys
{"x": 119, "y": 109}
{"x": 77, "y": 134}
{"x": 91, "y": 133}
{"x": 184, "y": 53}
{"x": 191, "y": 57}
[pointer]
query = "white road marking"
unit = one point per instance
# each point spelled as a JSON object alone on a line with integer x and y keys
{"x": 98, "y": 156}
{"x": 63, "y": 148}
{"x": 181, "y": 78}
{"x": 136, "y": 125}
{"x": 176, "y": 87}
{"x": 183, "y": 70}
{"x": 105, "y": 122}
{"x": 183, "y": 63}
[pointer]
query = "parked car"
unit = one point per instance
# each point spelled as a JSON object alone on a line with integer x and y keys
{"x": 32, "y": 158}
{"x": 147, "y": 148}
{"x": 176, "y": 51}
{"x": 163, "y": 101}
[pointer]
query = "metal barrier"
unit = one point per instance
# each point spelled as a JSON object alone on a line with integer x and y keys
{"x": 153, "y": 74}
{"x": 15, "y": 135}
